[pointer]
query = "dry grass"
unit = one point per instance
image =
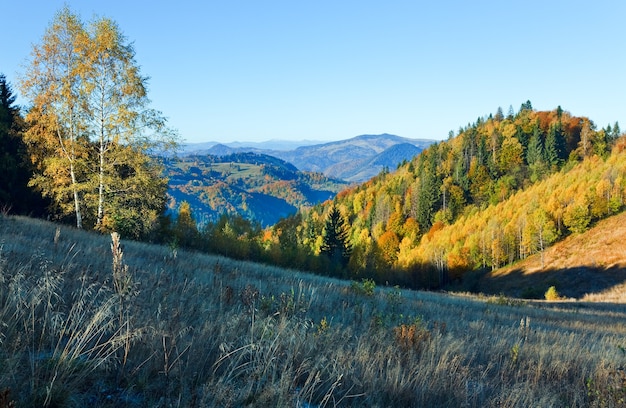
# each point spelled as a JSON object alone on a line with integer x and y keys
{"x": 163, "y": 330}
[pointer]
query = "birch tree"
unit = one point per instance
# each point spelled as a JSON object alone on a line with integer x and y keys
{"x": 120, "y": 120}
{"x": 91, "y": 119}
{"x": 57, "y": 123}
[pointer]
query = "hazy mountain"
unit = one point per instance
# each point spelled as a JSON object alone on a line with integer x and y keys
{"x": 353, "y": 154}
{"x": 365, "y": 169}
{"x": 356, "y": 159}
{"x": 238, "y": 147}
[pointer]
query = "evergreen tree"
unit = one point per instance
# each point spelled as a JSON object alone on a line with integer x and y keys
{"x": 8, "y": 144}
{"x": 430, "y": 189}
{"x": 335, "y": 243}
{"x": 554, "y": 147}
{"x": 526, "y": 106}
{"x": 499, "y": 114}
{"x": 534, "y": 152}
{"x": 559, "y": 112}
{"x": 15, "y": 170}
{"x": 612, "y": 133}
{"x": 511, "y": 113}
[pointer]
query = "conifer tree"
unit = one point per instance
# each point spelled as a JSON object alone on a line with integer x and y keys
{"x": 9, "y": 147}
{"x": 335, "y": 244}
{"x": 534, "y": 153}
{"x": 430, "y": 189}
{"x": 554, "y": 147}
{"x": 15, "y": 169}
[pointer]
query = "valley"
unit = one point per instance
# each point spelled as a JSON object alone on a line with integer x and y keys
{"x": 263, "y": 183}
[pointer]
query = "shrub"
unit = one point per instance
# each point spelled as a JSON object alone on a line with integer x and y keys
{"x": 411, "y": 336}
{"x": 366, "y": 287}
{"x": 552, "y": 294}
{"x": 532, "y": 293}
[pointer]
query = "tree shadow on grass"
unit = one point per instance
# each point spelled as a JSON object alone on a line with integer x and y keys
{"x": 569, "y": 282}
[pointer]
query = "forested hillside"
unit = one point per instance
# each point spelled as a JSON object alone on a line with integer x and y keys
{"x": 500, "y": 190}
{"x": 257, "y": 187}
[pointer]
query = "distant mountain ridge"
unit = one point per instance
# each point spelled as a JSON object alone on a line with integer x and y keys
{"x": 366, "y": 168}
{"x": 356, "y": 159}
{"x": 236, "y": 147}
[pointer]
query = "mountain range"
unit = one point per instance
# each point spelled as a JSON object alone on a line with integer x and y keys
{"x": 355, "y": 160}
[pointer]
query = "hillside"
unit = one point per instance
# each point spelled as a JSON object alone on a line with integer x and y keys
{"x": 359, "y": 170}
{"x": 87, "y": 321}
{"x": 502, "y": 190}
{"x": 352, "y": 156}
{"x": 257, "y": 187}
{"x": 591, "y": 265}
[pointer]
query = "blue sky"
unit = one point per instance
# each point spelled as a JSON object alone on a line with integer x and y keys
{"x": 328, "y": 70}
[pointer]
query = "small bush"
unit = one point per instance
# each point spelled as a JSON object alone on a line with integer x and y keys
{"x": 366, "y": 287}
{"x": 411, "y": 336}
{"x": 552, "y": 294}
{"x": 502, "y": 300}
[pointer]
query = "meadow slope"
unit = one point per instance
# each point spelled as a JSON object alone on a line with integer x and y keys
{"x": 588, "y": 266}
{"x": 88, "y": 323}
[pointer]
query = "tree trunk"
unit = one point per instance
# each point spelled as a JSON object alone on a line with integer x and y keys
{"x": 79, "y": 216}
{"x": 100, "y": 188}
{"x": 101, "y": 153}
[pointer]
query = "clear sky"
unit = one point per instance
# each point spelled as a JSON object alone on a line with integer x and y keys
{"x": 256, "y": 70}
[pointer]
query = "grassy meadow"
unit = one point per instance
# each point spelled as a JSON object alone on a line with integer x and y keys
{"x": 85, "y": 322}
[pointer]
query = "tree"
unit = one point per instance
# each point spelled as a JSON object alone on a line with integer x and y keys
{"x": 335, "y": 244}
{"x": 92, "y": 128}
{"x": 526, "y": 106}
{"x": 535, "y": 156}
{"x": 429, "y": 188}
{"x": 511, "y": 156}
{"x": 540, "y": 232}
{"x": 534, "y": 152}
{"x": 585, "y": 147}
{"x": 118, "y": 113}
{"x": 577, "y": 216}
{"x": 510, "y": 113}
{"x": 499, "y": 114}
{"x": 15, "y": 170}
{"x": 186, "y": 229}
{"x": 554, "y": 148}
{"x": 139, "y": 201}
{"x": 57, "y": 125}
{"x": 617, "y": 132}
{"x": 389, "y": 243}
